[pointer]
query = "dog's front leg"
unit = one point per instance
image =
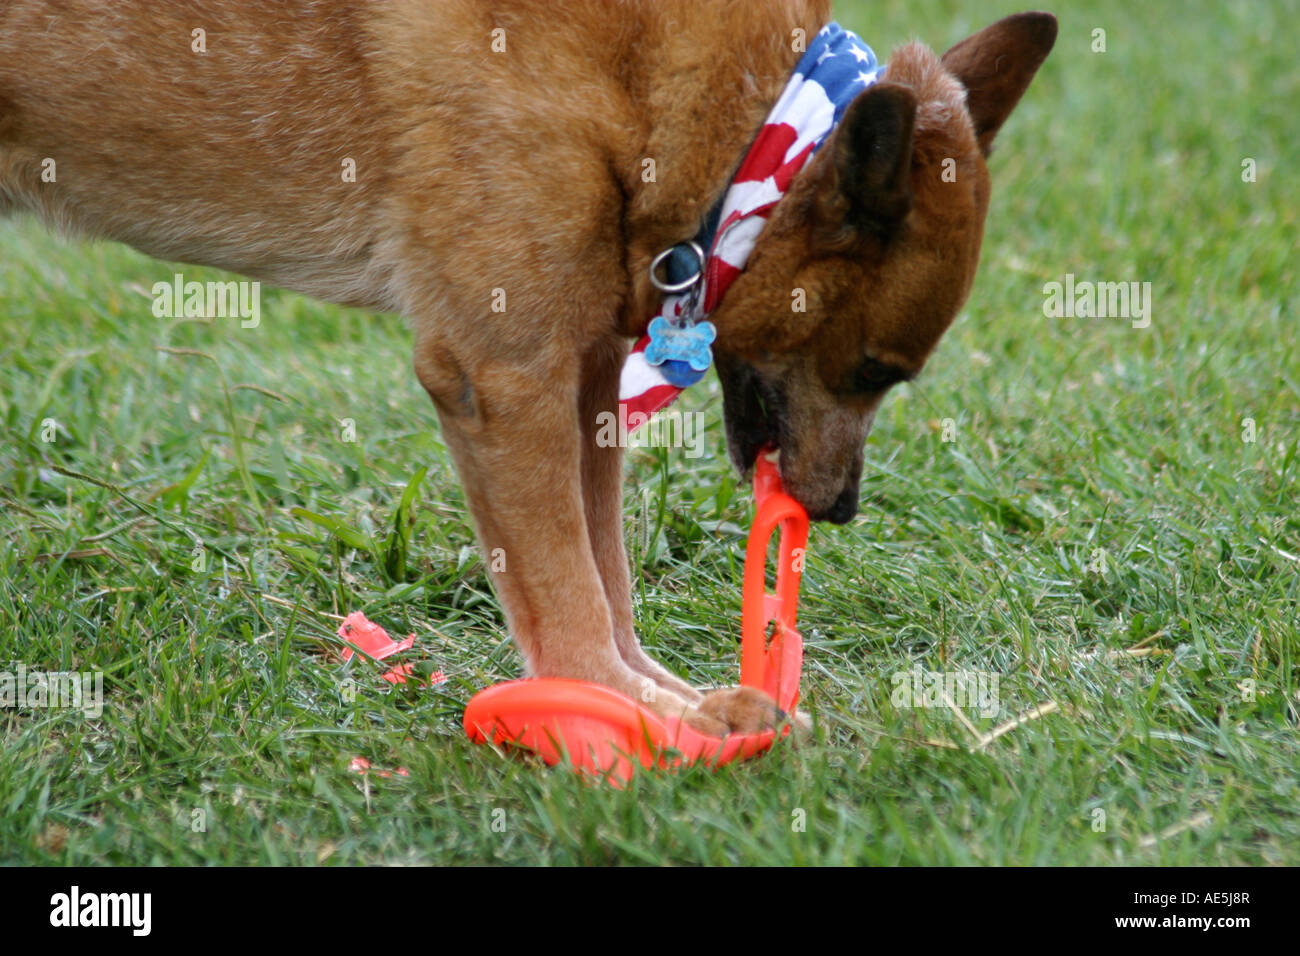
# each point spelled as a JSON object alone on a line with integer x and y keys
{"x": 736, "y": 709}
{"x": 602, "y": 491}
{"x": 512, "y": 421}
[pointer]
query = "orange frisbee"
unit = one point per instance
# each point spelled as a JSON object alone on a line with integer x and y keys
{"x": 600, "y": 731}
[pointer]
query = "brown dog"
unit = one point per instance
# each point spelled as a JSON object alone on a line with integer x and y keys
{"x": 499, "y": 147}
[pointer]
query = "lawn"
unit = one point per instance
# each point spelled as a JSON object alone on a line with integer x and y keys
{"x": 1100, "y": 516}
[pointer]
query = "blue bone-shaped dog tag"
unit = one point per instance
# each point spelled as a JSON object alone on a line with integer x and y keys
{"x": 682, "y": 352}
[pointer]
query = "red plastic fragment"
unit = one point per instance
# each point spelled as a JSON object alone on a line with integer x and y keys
{"x": 369, "y": 637}
{"x": 399, "y": 674}
{"x": 362, "y": 766}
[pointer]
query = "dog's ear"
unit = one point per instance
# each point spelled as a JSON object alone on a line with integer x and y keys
{"x": 868, "y": 188}
{"x": 997, "y": 64}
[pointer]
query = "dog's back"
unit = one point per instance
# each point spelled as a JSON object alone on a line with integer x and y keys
{"x": 213, "y": 133}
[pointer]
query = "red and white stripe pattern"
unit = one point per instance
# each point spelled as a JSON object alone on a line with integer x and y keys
{"x": 835, "y": 68}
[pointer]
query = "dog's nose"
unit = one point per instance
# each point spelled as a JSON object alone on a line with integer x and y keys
{"x": 845, "y": 507}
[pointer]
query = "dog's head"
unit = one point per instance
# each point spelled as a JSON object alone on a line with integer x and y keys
{"x": 866, "y": 261}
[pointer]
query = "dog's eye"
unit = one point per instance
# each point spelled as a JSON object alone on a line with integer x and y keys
{"x": 876, "y": 376}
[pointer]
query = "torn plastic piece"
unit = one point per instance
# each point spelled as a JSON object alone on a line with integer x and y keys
{"x": 361, "y": 765}
{"x": 399, "y": 674}
{"x": 369, "y": 637}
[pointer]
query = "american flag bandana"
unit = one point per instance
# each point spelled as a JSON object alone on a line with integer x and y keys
{"x": 836, "y": 67}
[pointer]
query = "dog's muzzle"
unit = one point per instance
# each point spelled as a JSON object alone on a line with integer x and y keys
{"x": 756, "y": 410}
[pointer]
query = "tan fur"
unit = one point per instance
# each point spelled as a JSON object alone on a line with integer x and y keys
{"x": 518, "y": 171}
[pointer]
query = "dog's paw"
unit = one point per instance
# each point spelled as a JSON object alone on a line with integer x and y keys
{"x": 735, "y": 710}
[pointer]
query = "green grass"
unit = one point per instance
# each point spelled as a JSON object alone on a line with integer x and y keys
{"x": 1076, "y": 439}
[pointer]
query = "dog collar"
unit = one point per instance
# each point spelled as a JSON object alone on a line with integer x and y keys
{"x": 676, "y": 350}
